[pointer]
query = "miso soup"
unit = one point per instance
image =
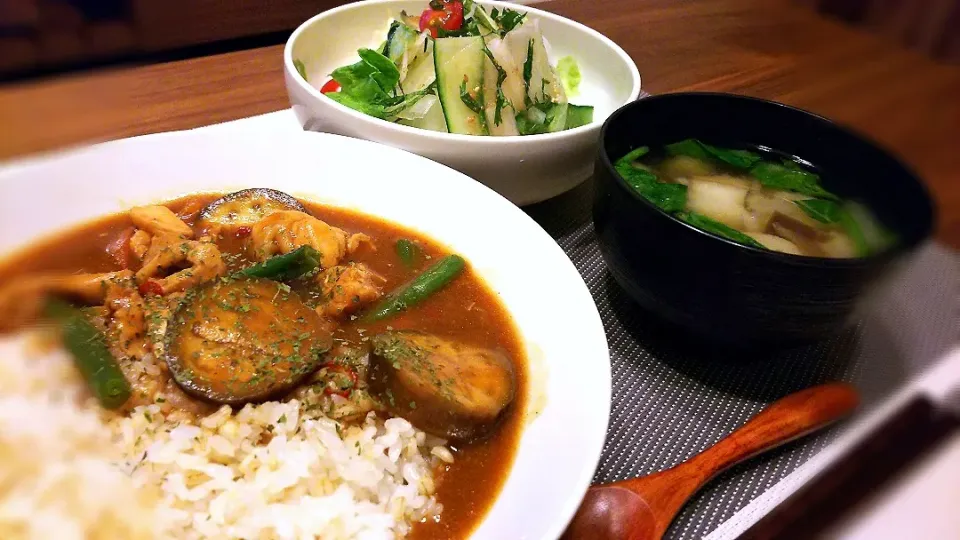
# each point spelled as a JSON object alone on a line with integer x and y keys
{"x": 753, "y": 197}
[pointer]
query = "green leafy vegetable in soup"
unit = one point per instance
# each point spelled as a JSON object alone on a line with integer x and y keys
{"x": 752, "y": 198}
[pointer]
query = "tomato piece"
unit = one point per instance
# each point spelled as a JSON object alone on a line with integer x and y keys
{"x": 330, "y": 86}
{"x": 449, "y": 18}
{"x": 119, "y": 249}
{"x": 454, "y": 11}
{"x": 151, "y": 287}
{"x": 431, "y": 20}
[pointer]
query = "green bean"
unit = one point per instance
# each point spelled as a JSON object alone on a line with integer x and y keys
{"x": 409, "y": 252}
{"x": 303, "y": 260}
{"x": 90, "y": 353}
{"x": 422, "y": 287}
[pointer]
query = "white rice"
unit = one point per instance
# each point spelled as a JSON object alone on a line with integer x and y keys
{"x": 68, "y": 470}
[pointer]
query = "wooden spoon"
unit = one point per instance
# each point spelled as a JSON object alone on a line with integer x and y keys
{"x": 643, "y": 508}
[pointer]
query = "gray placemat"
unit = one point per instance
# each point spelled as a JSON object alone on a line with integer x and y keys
{"x": 671, "y": 400}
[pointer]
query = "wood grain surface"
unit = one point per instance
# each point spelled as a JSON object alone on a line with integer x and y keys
{"x": 766, "y": 48}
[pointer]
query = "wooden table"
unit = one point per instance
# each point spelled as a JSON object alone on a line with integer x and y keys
{"x": 764, "y": 48}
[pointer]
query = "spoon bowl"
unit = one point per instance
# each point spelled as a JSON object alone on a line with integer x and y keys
{"x": 612, "y": 512}
{"x": 643, "y": 508}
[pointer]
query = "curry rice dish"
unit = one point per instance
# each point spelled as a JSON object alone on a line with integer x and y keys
{"x": 251, "y": 366}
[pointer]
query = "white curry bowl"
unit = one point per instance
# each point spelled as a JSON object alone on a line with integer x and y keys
{"x": 568, "y": 367}
{"x": 524, "y": 169}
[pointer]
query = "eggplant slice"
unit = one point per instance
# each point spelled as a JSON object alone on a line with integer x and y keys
{"x": 246, "y": 207}
{"x": 241, "y": 340}
{"x": 445, "y": 388}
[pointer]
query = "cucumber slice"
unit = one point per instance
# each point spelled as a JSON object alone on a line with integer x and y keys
{"x": 405, "y": 47}
{"x": 542, "y": 118}
{"x": 400, "y": 37}
{"x": 456, "y": 60}
{"x": 485, "y": 19}
{"x": 421, "y": 74}
{"x": 559, "y": 120}
{"x": 432, "y": 119}
{"x": 579, "y": 115}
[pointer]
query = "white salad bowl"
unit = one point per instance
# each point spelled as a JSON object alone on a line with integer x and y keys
{"x": 524, "y": 169}
{"x": 568, "y": 362}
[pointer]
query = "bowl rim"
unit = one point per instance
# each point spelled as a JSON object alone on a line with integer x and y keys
{"x": 292, "y": 73}
{"x": 884, "y": 255}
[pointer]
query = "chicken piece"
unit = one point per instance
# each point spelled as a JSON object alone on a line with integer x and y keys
{"x": 357, "y": 241}
{"x": 157, "y": 312}
{"x": 159, "y": 220}
{"x": 445, "y": 388}
{"x": 347, "y": 288}
{"x": 139, "y": 243}
{"x": 284, "y": 231}
{"x": 126, "y": 320}
{"x": 22, "y": 300}
{"x": 198, "y": 261}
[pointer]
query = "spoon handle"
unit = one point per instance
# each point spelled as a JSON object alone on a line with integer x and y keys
{"x": 781, "y": 422}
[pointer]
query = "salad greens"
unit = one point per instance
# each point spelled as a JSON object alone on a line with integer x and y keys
{"x": 485, "y": 73}
{"x": 367, "y": 85}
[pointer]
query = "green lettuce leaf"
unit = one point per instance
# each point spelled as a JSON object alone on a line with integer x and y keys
{"x": 366, "y": 107}
{"x": 371, "y": 80}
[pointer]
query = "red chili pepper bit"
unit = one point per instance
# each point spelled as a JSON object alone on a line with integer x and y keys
{"x": 344, "y": 393}
{"x": 243, "y": 231}
{"x": 151, "y": 287}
